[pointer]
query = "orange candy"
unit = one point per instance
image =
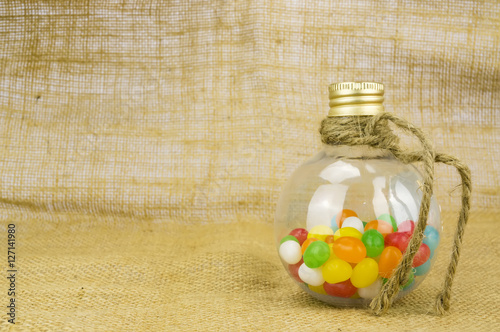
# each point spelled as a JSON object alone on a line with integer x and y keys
{"x": 343, "y": 215}
{"x": 349, "y": 249}
{"x": 307, "y": 243}
{"x": 380, "y": 225}
{"x": 389, "y": 260}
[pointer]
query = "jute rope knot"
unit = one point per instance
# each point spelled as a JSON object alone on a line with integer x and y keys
{"x": 375, "y": 131}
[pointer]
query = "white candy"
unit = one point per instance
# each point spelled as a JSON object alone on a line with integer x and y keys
{"x": 371, "y": 291}
{"x": 312, "y": 277}
{"x": 354, "y": 222}
{"x": 290, "y": 252}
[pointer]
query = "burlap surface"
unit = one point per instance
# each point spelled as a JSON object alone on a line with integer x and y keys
{"x": 143, "y": 146}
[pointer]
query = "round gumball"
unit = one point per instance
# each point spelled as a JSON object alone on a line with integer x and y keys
{"x": 383, "y": 227}
{"x": 371, "y": 291}
{"x": 307, "y": 243}
{"x": 407, "y": 226}
{"x": 312, "y": 277}
{"x": 344, "y": 214}
{"x": 300, "y": 234}
{"x": 390, "y": 219}
{"x": 398, "y": 240}
{"x": 354, "y": 222}
{"x": 349, "y": 249}
{"x": 422, "y": 255}
{"x": 389, "y": 260}
{"x": 289, "y": 238}
{"x": 290, "y": 252}
{"x": 341, "y": 289}
{"x": 294, "y": 270}
{"x": 374, "y": 242}
{"x": 336, "y": 270}
{"x": 347, "y": 231}
{"x": 316, "y": 254}
{"x": 365, "y": 273}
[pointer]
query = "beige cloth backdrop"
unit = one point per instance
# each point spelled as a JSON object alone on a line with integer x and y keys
{"x": 144, "y": 144}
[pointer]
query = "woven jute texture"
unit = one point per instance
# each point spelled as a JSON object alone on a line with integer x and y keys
{"x": 144, "y": 144}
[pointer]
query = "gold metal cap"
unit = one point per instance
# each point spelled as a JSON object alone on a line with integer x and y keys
{"x": 353, "y": 98}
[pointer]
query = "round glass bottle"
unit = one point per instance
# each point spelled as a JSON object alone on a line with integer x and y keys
{"x": 345, "y": 217}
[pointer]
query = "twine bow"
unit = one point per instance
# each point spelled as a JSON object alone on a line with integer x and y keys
{"x": 375, "y": 131}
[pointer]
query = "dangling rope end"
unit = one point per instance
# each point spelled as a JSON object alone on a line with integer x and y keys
{"x": 441, "y": 306}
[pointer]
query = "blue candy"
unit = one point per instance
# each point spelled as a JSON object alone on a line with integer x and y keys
{"x": 431, "y": 238}
{"x": 423, "y": 269}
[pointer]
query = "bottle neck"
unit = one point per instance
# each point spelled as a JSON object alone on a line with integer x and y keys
{"x": 356, "y": 152}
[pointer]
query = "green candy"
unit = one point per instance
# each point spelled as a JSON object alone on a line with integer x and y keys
{"x": 316, "y": 254}
{"x": 409, "y": 283}
{"x": 390, "y": 219}
{"x": 289, "y": 238}
{"x": 374, "y": 242}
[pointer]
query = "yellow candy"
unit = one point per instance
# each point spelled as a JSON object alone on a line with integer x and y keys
{"x": 320, "y": 232}
{"x": 336, "y": 270}
{"x": 365, "y": 273}
{"x": 332, "y": 254}
{"x": 347, "y": 231}
{"x": 317, "y": 289}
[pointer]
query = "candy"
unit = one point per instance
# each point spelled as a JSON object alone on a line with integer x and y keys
{"x": 422, "y": 255}
{"x": 341, "y": 289}
{"x": 349, "y": 249}
{"x": 354, "y": 222}
{"x": 294, "y": 270}
{"x": 383, "y": 227}
{"x": 320, "y": 232}
{"x": 347, "y": 231}
{"x": 406, "y": 226}
{"x": 313, "y": 277}
{"x": 307, "y": 243}
{"x": 365, "y": 273}
{"x": 300, "y": 234}
{"x": 398, "y": 240}
{"x": 344, "y": 214}
{"x": 290, "y": 252}
{"x": 317, "y": 289}
{"x": 409, "y": 283}
{"x": 389, "y": 259}
{"x": 316, "y": 254}
{"x": 423, "y": 269}
{"x": 289, "y": 238}
{"x": 374, "y": 242}
{"x": 431, "y": 238}
{"x": 371, "y": 291}
{"x": 390, "y": 219}
{"x": 336, "y": 270}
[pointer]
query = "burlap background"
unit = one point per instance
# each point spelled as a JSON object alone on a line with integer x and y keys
{"x": 143, "y": 146}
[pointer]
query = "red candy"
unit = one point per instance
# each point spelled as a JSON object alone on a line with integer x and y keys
{"x": 398, "y": 240}
{"x": 341, "y": 289}
{"x": 300, "y": 234}
{"x": 294, "y": 270}
{"x": 407, "y": 226}
{"x": 422, "y": 255}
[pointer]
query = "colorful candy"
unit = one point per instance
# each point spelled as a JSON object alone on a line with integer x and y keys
{"x": 423, "y": 269}
{"x": 389, "y": 260}
{"x": 317, "y": 289}
{"x": 398, "y": 240}
{"x": 422, "y": 255}
{"x": 431, "y": 238}
{"x": 316, "y": 254}
{"x": 371, "y": 291}
{"x": 289, "y": 238}
{"x": 300, "y": 234}
{"x": 344, "y": 214}
{"x": 347, "y": 231}
{"x": 313, "y": 277}
{"x": 383, "y": 227}
{"x": 354, "y": 222}
{"x": 407, "y": 226}
{"x": 390, "y": 219}
{"x": 290, "y": 252}
{"x": 374, "y": 242}
{"x": 349, "y": 249}
{"x": 336, "y": 270}
{"x": 365, "y": 273}
{"x": 307, "y": 243}
{"x": 320, "y": 232}
{"x": 341, "y": 289}
{"x": 294, "y": 270}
